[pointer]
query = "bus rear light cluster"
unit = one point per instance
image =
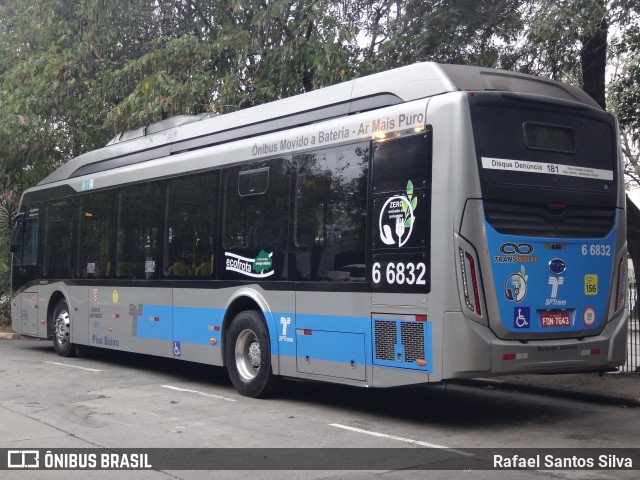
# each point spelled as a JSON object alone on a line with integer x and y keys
{"x": 470, "y": 282}
{"x": 621, "y": 287}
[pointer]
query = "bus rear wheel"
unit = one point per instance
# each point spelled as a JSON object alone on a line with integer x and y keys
{"x": 62, "y": 331}
{"x": 248, "y": 355}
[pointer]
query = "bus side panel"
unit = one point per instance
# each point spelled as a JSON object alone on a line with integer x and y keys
{"x": 332, "y": 335}
{"x": 75, "y": 297}
{"x": 27, "y": 307}
{"x": 454, "y": 181}
{"x": 131, "y": 319}
{"x": 197, "y": 325}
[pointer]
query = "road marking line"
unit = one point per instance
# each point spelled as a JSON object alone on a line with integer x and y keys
{"x": 401, "y": 439}
{"x": 219, "y": 397}
{"x": 72, "y": 366}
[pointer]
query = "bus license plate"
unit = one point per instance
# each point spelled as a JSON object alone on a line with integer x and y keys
{"x": 555, "y": 319}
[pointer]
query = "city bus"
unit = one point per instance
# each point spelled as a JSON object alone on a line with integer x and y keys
{"x": 427, "y": 223}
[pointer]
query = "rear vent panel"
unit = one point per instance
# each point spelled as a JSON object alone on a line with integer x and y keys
{"x": 402, "y": 344}
{"x": 412, "y": 337}
{"x": 385, "y": 334}
{"x": 541, "y": 221}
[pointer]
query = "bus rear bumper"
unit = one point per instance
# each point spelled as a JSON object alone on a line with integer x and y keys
{"x": 485, "y": 355}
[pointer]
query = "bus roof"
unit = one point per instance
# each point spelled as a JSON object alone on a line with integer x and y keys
{"x": 404, "y": 84}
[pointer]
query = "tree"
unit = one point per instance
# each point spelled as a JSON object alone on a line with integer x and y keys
{"x": 625, "y": 98}
{"x": 220, "y": 56}
{"x": 481, "y": 33}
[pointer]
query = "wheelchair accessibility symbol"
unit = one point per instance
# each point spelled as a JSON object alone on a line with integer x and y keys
{"x": 521, "y": 316}
{"x": 176, "y": 349}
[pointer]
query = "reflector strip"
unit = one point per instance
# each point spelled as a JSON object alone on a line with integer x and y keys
{"x": 515, "y": 356}
{"x": 620, "y": 285}
{"x": 591, "y": 352}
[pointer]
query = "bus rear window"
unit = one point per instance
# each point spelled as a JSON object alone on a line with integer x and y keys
{"x": 554, "y": 138}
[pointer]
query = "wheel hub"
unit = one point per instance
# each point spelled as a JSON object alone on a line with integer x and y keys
{"x": 248, "y": 355}
{"x": 62, "y": 329}
{"x": 254, "y": 354}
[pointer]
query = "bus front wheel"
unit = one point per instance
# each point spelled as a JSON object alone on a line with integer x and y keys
{"x": 62, "y": 331}
{"x": 248, "y": 355}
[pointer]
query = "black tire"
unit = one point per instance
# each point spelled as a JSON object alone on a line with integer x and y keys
{"x": 61, "y": 322}
{"x": 248, "y": 355}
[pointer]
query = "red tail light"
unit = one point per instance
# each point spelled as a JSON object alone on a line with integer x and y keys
{"x": 470, "y": 278}
{"x": 621, "y": 287}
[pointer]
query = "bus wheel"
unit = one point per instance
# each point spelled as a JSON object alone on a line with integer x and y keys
{"x": 248, "y": 355}
{"x": 62, "y": 331}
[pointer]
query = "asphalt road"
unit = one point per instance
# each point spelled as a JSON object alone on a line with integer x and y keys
{"x": 114, "y": 400}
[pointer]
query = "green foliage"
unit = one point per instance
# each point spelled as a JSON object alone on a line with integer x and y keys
{"x": 240, "y": 54}
{"x": 8, "y": 210}
{"x": 625, "y": 92}
{"x": 482, "y": 32}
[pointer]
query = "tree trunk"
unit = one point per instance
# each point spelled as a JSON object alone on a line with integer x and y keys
{"x": 593, "y": 56}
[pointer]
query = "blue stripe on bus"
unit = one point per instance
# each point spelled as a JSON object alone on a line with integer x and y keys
{"x": 285, "y": 336}
{"x": 182, "y": 324}
{"x": 197, "y": 325}
{"x": 155, "y": 322}
{"x": 326, "y": 337}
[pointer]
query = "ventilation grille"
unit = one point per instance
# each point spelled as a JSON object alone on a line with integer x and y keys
{"x": 540, "y": 221}
{"x": 385, "y": 337}
{"x": 412, "y": 336}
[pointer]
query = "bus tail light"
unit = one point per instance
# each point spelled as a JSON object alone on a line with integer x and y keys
{"x": 621, "y": 284}
{"x": 470, "y": 281}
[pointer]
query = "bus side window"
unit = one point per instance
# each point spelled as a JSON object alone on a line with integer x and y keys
{"x": 329, "y": 229}
{"x": 138, "y": 232}
{"x": 59, "y": 239}
{"x": 255, "y": 219}
{"x": 191, "y": 236}
{"x": 96, "y": 233}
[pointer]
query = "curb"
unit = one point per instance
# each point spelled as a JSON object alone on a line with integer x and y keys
{"x": 584, "y": 396}
{"x": 10, "y": 336}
